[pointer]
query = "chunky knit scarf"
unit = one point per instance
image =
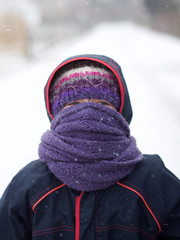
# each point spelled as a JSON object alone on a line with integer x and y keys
{"x": 89, "y": 147}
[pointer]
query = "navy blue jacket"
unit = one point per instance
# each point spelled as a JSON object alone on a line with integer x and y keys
{"x": 144, "y": 205}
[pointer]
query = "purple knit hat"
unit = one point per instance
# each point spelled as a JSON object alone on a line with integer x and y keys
{"x": 83, "y": 79}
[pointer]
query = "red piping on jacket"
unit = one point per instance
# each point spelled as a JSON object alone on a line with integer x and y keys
{"x": 77, "y": 215}
{"x": 133, "y": 190}
{"x": 85, "y": 58}
{"x": 45, "y": 195}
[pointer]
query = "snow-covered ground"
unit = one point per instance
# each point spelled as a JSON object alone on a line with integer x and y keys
{"x": 151, "y": 66}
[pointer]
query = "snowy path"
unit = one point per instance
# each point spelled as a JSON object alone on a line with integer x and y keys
{"x": 151, "y": 66}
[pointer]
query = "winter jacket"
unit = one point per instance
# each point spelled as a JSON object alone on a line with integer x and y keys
{"x": 144, "y": 205}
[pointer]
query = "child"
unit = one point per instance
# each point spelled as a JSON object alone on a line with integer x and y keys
{"x": 91, "y": 182}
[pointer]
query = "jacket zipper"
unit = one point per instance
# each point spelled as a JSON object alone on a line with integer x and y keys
{"x": 77, "y": 216}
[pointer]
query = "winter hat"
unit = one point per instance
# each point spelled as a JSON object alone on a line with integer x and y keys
{"x": 83, "y": 79}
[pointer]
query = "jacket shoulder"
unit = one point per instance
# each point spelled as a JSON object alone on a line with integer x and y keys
{"x": 152, "y": 166}
{"x": 35, "y": 178}
{"x": 34, "y": 169}
{"x": 34, "y": 172}
{"x": 152, "y": 175}
{"x": 156, "y": 186}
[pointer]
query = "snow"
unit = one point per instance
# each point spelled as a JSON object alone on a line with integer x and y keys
{"x": 151, "y": 65}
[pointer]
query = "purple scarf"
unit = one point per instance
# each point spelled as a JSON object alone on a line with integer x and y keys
{"x": 89, "y": 147}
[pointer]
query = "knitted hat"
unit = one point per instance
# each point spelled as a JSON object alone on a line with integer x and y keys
{"x": 83, "y": 79}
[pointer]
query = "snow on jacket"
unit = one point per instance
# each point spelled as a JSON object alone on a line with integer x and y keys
{"x": 143, "y": 205}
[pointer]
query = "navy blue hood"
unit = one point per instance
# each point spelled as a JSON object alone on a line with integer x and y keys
{"x": 125, "y": 108}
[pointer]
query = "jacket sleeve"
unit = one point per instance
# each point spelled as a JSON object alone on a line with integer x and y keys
{"x": 171, "y": 228}
{"x": 15, "y": 213}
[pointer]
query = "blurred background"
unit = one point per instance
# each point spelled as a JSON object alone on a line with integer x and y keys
{"x": 28, "y": 27}
{"x": 141, "y": 35}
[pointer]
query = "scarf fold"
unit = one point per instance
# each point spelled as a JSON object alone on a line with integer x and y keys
{"x": 89, "y": 147}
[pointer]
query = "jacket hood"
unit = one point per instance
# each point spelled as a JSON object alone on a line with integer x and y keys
{"x": 125, "y": 107}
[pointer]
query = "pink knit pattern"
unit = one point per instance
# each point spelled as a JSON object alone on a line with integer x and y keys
{"x": 82, "y": 75}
